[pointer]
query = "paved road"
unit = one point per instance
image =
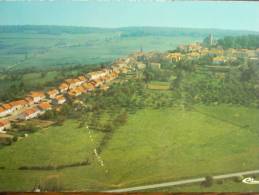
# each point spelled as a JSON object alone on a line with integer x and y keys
{"x": 181, "y": 182}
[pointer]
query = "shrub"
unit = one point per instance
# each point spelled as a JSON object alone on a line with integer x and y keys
{"x": 238, "y": 179}
{"x": 208, "y": 181}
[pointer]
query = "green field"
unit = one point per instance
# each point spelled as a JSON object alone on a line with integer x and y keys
{"x": 25, "y": 50}
{"x": 154, "y": 146}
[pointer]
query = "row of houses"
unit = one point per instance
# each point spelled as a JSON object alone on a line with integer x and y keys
{"x": 37, "y": 103}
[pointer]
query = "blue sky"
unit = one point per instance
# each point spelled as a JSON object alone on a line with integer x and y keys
{"x": 196, "y": 14}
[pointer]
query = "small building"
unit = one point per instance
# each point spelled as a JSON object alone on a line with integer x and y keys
{"x": 44, "y": 106}
{"x": 97, "y": 74}
{"x": 29, "y": 101}
{"x": 193, "y": 55}
{"x": 174, "y": 57}
{"x": 154, "y": 65}
{"x": 52, "y": 93}
{"x": 140, "y": 65}
{"x": 19, "y": 104}
{"x": 3, "y": 112}
{"x": 82, "y": 79}
{"x": 88, "y": 86}
{"x": 104, "y": 87}
{"x": 71, "y": 83}
{"x": 4, "y": 124}
{"x": 216, "y": 52}
{"x": 76, "y": 92}
{"x": 37, "y": 96}
{"x": 219, "y": 60}
{"x": 59, "y": 99}
{"x": 29, "y": 114}
{"x": 63, "y": 87}
{"x": 8, "y": 108}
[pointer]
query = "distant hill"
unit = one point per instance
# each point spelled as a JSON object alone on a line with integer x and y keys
{"x": 124, "y": 32}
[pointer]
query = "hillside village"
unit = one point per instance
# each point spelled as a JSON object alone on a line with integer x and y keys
{"x": 36, "y": 103}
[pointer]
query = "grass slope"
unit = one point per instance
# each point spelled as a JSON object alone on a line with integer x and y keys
{"x": 154, "y": 146}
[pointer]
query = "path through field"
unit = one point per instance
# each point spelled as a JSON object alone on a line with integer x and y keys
{"x": 182, "y": 182}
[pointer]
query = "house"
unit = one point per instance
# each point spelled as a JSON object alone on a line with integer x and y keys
{"x": 4, "y": 124}
{"x": 52, "y": 93}
{"x": 63, "y": 87}
{"x": 80, "y": 89}
{"x": 71, "y": 83}
{"x": 174, "y": 57}
{"x": 104, "y": 87}
{"x": 193, "y": 55}
{"x": 82, "y": 79}
{"x": 77, "y": 82}
{"x": 98, "y": 82}
{"x": 219, "y": 60}
{"x": 154, "y": 65}
{"x": 8, "y": 108}
{"x": 97, "y": 74}
{"x": 29, "y": 114}
{"x": 194, "y": 47}
{"x": 88, "y": 86}
{"x": 37, "y": 96}
{"x": 204, "y": 51}
{"x": 29, "y": 101}
{"x": 139, "y": 65}
{"x": 19, "y": 104}
{"x": 59, "y": 99}
{"x": 3, "y": 112}
{"x": 76, "y": 92}
{"x": 44, "y": 106}
{"x": 216, "y": 52}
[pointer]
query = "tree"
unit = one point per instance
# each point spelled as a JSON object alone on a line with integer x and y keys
{"x": 208, "y": 181}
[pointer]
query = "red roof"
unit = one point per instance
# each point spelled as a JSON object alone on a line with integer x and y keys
{"x": 7, "y": 106}
{"x": 30, "y": 111}
{"x": 44, "y": 106}
{"x": 4, "y": 122}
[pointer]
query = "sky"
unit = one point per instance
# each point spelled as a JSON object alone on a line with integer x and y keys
{"x": 194, "y": 14}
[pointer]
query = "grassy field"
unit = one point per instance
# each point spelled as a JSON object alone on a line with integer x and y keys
{"x": 51, "y": 146}
{"x": 154, "y": 146}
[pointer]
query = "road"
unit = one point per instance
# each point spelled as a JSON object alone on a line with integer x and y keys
{"x": 182, "y": 182}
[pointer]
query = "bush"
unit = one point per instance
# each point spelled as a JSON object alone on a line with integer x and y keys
{"x": 208, "y": 181}
{"x": 238, "y": 179}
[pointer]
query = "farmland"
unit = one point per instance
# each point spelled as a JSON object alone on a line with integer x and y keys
{"x": 22, "y": 50}
{"x": 153, "y": 146}
{"x": 152, "y": 125}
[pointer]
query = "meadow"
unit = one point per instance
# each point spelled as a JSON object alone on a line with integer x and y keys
{"x": 153, "y": 146}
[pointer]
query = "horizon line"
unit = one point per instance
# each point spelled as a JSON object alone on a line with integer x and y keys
{"x": 80, "y": 26}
